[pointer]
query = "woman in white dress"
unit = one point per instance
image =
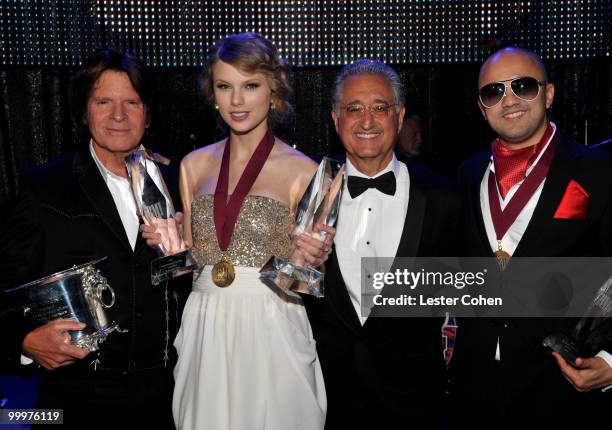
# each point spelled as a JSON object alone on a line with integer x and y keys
{"x": 247, "y": 358}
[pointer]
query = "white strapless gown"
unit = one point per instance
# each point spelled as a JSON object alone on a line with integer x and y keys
{"x": 246, "y": 359}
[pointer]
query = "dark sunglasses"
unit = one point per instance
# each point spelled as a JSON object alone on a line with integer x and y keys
{"x": 525, "y": 88}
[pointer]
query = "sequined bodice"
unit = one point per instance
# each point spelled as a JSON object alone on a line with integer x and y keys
{"x": 262, "y": 230}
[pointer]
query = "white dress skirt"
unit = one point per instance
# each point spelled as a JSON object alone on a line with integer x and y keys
{"x": 246, "y": 359}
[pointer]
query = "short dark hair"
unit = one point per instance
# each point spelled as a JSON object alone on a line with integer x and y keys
{"x": 101, "y": 61}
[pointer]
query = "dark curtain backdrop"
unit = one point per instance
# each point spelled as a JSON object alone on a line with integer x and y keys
{"x": 36, "y": 123}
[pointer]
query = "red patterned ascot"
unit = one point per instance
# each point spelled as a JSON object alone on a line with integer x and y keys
{"x": 511, "y": 164}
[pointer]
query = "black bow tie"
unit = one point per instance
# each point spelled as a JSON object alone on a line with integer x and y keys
{"x": 383, "y": 183}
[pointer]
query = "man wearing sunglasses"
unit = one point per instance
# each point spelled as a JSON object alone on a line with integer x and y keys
{"x": 535, "y": 194}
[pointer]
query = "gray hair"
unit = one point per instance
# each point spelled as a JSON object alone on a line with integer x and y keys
{"x": 368, "y": 67}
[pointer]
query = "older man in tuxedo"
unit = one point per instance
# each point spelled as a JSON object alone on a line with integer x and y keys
{"x": 379, "y": 372}
{"x": 535, "y": 194}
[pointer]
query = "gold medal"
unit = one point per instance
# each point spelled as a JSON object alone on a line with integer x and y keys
{"x": 502, "y": 257}
{"x": 223, "y": 273}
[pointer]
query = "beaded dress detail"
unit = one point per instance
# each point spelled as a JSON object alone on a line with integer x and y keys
{"x": 262, "y": 230}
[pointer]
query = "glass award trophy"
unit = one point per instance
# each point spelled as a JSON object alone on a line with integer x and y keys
{"x": 319, "y": 205}
{"x": 593, "y": 329}
{"x": 155, "y": 206}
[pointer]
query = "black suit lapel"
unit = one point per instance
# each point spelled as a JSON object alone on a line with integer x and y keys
{"x": 411, "y": 234}
{"x": 140, "y": 245}
{"x": 413, "y": 222}
{"x": 97, "y": 192}
{"x": 337, "y": 294}
{"x": 559, "y": 175}
{"x": 474, "y": 189}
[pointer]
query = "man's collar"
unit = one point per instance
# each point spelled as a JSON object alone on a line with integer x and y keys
{"x": 394, "y": 166}
{"x": 106, "y": 174}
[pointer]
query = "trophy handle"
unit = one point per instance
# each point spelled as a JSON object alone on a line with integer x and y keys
{"x": 100, "y": 288}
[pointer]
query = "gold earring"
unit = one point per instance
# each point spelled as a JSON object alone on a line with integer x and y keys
{"x": 216, "y": 106}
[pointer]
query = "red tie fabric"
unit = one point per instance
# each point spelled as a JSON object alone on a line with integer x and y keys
{"x": 511, "y": 164}
{"x": 449, "y": 333}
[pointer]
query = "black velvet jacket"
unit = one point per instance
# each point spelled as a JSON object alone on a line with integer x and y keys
{"x": 65, "y": 215}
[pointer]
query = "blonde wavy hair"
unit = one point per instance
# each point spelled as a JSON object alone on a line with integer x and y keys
{"x": 252, "y": 53}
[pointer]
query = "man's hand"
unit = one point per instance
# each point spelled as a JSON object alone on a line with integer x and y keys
{"x": 165, "y": 233}
{"x": 315, "y": 251}
{"x": 50, "y": 345}
{"x": 589, "y": 374}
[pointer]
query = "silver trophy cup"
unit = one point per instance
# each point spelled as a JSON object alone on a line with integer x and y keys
{"x": 319, "y": 205}
{"x": 80, "y": 294}
{"x": 156, "y": 208}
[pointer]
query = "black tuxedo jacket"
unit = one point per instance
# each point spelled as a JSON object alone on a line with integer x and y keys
{"x": 65, "y": 215}
{"x": 527, "y": 382}
{"x": 388, "y": 372}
